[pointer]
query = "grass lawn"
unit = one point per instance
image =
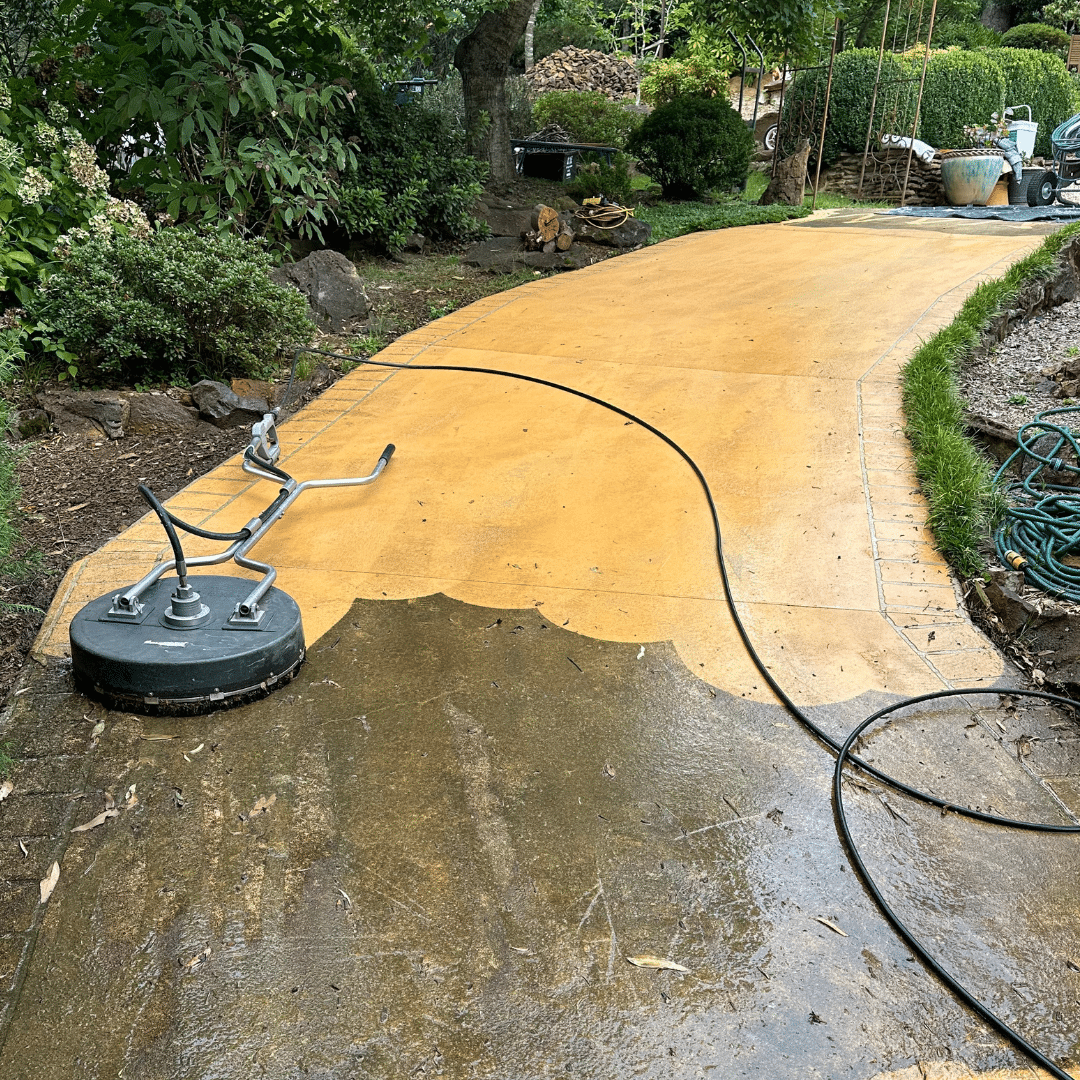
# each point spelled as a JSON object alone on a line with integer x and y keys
{"x": 670, "y": 219}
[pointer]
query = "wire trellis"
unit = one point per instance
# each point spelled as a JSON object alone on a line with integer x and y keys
{"x": 896, "y": 102}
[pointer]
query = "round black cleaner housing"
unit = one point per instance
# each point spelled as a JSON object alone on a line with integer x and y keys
{"x": 189, "y": 644}
{"x": 152, "y": 661}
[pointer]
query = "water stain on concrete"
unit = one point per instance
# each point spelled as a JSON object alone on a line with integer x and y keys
{"x": 477, "y": 817}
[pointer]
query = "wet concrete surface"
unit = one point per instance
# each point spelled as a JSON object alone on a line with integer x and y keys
{"x": 476, "y": 817}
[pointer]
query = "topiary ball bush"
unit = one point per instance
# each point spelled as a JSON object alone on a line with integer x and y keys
{"x": 693, "y": 145}
{"x": 1036, "y": 36}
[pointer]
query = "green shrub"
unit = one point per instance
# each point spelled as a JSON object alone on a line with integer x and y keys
{"x": 854, "y": 73}
{"x": 215, "y": 129}
{"x": 597, "y": 178}
{"x": 410, "y": 175}
{"x": 694, "y": 145}
{"x": 1036, "y": 36}
{"x": 700, "y": 76}
{"x": 964, "y": 35}
{"x": 1040, "y": 80}
{"x": 962, "y": 88}
{"x": 587, "y": 116}
{"x": 175, "y": 304}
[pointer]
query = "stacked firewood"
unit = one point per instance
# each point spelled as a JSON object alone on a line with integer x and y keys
{"x": 550, "y": 231}
{"x": 571, "y": 68}
{"x": 884, "y": 178}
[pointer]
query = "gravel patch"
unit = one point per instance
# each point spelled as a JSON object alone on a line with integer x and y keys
{"x": 993, "y": 385}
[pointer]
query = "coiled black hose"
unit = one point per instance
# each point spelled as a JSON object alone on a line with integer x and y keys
{"x": 842, "y": 751}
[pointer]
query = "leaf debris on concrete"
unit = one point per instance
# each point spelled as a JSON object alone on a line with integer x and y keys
{"x": 48, "y": 882}
{"x": 658, "y": 962}
{"x": 830, "y": 924}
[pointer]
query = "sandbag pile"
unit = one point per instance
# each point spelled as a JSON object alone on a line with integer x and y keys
{"x": 571, "y": 68}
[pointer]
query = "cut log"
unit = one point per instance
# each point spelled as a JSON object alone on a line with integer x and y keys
{"x": 545, "y": 221}
{"x": 564, "y": 239}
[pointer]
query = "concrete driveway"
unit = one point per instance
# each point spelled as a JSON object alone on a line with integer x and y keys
{"x": 527, "y": 744}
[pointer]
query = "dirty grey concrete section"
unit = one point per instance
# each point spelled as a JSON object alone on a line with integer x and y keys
{"x": 476, "y": 817}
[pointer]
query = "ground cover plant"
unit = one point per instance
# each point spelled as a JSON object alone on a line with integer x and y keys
{"x": 956, "y": 477}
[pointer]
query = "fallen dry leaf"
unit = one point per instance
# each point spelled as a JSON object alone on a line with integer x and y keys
{"x": 609, "y": 771}
{"x": 647, "y": 961}
{"x": 262, "y": 805}
{"x": 155, "y": 737}
{"x": 48, "y": 883}
{"x": 831, "y": 925}
{"x": 197, "y": 959}
{"x": 95, "y": 822}
{"x": 197, "y": 748}
{"x": 6, "y": 788}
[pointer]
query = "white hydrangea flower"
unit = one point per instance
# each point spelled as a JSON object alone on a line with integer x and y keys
{"x": 10, "y": 154}
{"x": 33, "y": 187}
{"x": 5, "y": 97}
{"x": 100, "y": 226}
{"x": 82, "y": 164}
{"x": 46, "y": 134}
{"x": 130, "y": 214}
{"x": 58, "y": 113}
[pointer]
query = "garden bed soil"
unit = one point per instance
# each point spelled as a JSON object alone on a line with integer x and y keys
{"x": 1005, "y": 387}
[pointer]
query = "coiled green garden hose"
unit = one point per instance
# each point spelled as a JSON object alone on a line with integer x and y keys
{"x": 1040, "y": 533}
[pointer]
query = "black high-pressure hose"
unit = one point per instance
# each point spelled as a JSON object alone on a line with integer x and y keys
{"x": 170, "y": 531}
{"x": 842, "y": 751}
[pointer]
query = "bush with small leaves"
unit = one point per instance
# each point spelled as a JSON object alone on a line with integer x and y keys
{"x": 694, "y": 145}
{"x": 586, "y": 116}
{"x": 176, "y": 304}
{"x": 1039, "y": 36}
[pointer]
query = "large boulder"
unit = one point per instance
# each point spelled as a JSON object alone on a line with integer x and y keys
{"x": 506, "y": 220}
{"x": 505, "y": 254}
{"x": 788, "y": 184}
{"x": 333, "y": 290}
{"x": 86, "y": 412}
{"x": 154, "y": 414}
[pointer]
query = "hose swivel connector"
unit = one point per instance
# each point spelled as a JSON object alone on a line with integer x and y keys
{"x": 1015, "y": 559}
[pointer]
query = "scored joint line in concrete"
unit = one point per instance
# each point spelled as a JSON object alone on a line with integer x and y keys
{"x": 880, "y": 405}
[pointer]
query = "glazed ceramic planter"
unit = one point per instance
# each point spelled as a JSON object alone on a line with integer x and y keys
{"x": 969, "y": 176}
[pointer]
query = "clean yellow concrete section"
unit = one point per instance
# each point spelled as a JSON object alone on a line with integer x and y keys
{"x": 769, "y": 353}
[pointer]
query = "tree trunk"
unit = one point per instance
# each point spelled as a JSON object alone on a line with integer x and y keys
{"x": 530, "y": 30}
{"x": 483, "y": 58}
{"x": 997, "y": 15}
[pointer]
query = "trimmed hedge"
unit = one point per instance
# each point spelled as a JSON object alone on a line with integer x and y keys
{"x": 961, "y": 88}
{"x": 1038, "y": 36}
{"x": 1040, "y": 80}
{"x": 854, "y": 72}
